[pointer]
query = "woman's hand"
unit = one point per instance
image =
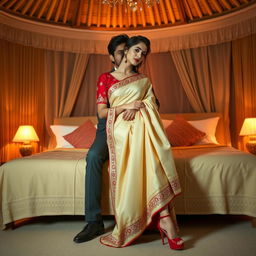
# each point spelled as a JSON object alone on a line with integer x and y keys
{"x": 135, "y": 105}
{"x": 129, "y": 114}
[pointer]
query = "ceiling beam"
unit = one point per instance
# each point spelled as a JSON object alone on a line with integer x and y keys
{"x": 198, "y": 10}
{"x": 163, "y": 11}
{"x": 170, "y": 11}
{"x": 217, "y": 6}
{"x": 10, "y": 4}
{"x": 226, "y": 4}
{"x": 50, "y": 11}
{"x": 207, "y": 7}
{"x": 18, "y": 5}
{"x": 187, "y": 8}
{"x": 27, "y": 6}
{"x": 57, "y": 16}
{"x": 181, "y": 9}
{"x": 40, "y": 14}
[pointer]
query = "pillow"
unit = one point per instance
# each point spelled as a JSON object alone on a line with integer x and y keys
{"x": 83, "y": 136}
{"x": 166, "y": 123}
{"x": 59, "y": 131}
{"x": 181, "y": 133}
{"x": 209, "y": 127}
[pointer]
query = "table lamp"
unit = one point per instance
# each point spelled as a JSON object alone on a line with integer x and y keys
{"x": 25, "y": 134}
{"x": 249, "y": 129}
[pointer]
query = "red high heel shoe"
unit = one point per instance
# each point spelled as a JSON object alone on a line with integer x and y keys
{"x": 173, "y": 243}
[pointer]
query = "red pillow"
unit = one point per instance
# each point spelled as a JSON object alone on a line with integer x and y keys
{"x": 182, "y": 133}
{"x": 83, "y": 136}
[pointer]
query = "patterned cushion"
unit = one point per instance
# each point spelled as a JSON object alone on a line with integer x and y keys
{"x": 83, "y": 136}
{"x": 181, "y": 133}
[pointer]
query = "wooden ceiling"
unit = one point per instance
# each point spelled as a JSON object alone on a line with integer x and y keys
{"x": 93, "y": 14}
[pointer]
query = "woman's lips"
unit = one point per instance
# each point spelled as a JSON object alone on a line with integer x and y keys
{"x": 137, "y": 60}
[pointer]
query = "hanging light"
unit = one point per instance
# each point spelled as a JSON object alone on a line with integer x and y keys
{"x": 134, "y": 5}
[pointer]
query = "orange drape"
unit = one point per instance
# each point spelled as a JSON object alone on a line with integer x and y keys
{"x": 22, "y": 95}
{"x": 244, "y": 85}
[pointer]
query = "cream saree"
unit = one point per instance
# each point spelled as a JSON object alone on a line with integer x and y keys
{"x": 143, "y": 178}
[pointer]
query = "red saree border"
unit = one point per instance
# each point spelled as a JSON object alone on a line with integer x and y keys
{"x": 124, "y": 82}
{"x": 112, "y": 155}
{"x": 165, "y": 196}
{"x": 140, "y": 225}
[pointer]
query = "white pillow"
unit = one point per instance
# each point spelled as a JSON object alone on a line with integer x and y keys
{"x": 60, "y": 131}
{"x": 209, "y": 127}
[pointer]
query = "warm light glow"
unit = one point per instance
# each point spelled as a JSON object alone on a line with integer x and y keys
{"x": 133, "y": 4}
{"x": 249, "y": 127}
{"x": 25, "y": 133}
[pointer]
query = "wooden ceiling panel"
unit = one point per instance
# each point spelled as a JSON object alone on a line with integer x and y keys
{"x": 93, "y": 14}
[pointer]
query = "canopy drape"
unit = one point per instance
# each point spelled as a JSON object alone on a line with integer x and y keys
{"x": 21, "y": 95}
{"x": 63, "y": 76}
{"x": 243, "y": 87}
{"x": 208, "y": 32}
{"x": 205, "y": 76}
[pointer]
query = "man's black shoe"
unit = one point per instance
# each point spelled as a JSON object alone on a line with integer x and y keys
{"x": 90, "y": 231}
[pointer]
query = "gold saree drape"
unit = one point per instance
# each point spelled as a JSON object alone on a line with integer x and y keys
{"x": 143, "y": 178}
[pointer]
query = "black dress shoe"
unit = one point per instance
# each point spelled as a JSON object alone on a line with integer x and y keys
{"x": 90, "y": 231}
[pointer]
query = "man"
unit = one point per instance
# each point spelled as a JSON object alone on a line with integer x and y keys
{"x": 96, "y": 157}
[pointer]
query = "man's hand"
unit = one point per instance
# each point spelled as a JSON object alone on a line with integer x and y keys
{"x": 129, "y": 114}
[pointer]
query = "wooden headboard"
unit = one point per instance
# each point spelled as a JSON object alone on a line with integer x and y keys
{"x": 220, "y": 134}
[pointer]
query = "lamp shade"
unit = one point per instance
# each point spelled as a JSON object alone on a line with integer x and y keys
{"x": 25, "y": 133}
{"x": 249, "y": 127}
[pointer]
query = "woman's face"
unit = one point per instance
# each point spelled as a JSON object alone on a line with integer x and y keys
{"x": 137, "y": 53}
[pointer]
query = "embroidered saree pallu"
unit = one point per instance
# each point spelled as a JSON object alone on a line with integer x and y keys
{"x": 143, "y": 178}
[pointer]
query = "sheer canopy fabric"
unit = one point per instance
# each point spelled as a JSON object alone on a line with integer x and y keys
{"x": 243, "y": 86}
{"x": 21, "y": 95}
{"x": 212, "y": 31}
{"x": 63, "y": 76}
{"x": 205, "y": 76}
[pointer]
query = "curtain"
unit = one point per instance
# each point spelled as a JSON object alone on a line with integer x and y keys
{"x": 158, "y": 67}
{"x": 21, "y": 97}
{"x": 205, "y": 76}
{"x": 167, "y": 84}
{"x": 243, "y": 102}
{"x": 63, "y": 76}
{"x": 85, "y": 104}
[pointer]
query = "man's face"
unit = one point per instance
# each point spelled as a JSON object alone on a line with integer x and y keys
{"x": 118, "y": 54}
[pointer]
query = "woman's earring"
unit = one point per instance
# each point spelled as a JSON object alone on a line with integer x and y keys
{"x": 125, "y": 57}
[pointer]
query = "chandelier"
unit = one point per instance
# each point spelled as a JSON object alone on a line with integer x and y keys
{"x": 134, "y": 5}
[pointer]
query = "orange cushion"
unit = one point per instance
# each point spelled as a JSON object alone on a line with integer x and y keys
{"x": 83, "y": 136}
{"x": 182, "y": 133}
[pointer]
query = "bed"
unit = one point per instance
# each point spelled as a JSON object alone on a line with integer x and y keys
{"x": 215, "y": 178}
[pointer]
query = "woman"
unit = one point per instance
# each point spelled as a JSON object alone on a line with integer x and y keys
{"x": 142, "y": 173}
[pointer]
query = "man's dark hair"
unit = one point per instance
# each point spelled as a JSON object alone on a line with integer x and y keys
{"x": 115, "y": 41}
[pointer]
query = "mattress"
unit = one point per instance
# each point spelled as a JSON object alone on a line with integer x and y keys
{"x": 215, "y": 179}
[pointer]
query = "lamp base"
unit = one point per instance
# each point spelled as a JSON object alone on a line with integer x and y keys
{"x": 26, "y": 150}
{"x": 251, "y": 147}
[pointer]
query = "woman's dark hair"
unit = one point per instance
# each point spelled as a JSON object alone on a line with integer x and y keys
{"x": 115, "y": 41}
{"x": 136, "y": 40}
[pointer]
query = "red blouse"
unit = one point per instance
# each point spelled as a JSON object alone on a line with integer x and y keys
{"x": 105, "y": 81}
